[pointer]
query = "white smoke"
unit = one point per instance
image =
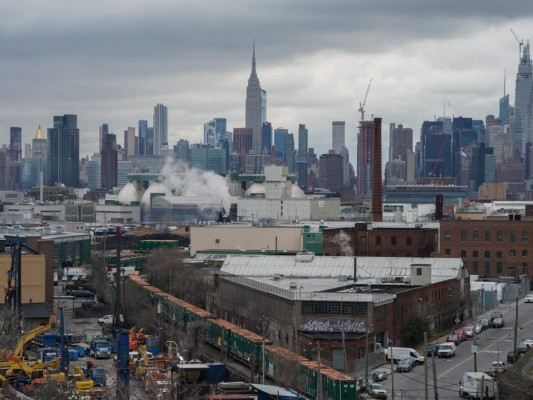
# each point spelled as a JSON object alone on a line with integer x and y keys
{"x": 343, "y": 240}
{"x": 185, "y": 181}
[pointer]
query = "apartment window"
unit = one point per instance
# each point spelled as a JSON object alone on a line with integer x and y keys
{"x": 448, "y": 235}
{"x": 499, "y": 236}
{"x": 463, "y": 253}
{"x": 475, "y": 236}
{"x": 524, "y": 237}
{"x": 512, "y": 236}
{"x": 499, "y": 254}
{"x": 475, "y": 253}
{"x": 499, "y": 267}
{"x": 524, "y": 253}
{"x": 512, "y": 252}
{"x": 419, "y": 271}
{"x": 408, "y": 241}
{"x": 378, "y": 240}
{"x": 463, "y": 236}
{"x": 393, "y": 240}
{"x": 487, "y": 236}
{"x": 487, "y": 253}
{"x": 217, "y": 240}
{"x": 487, "y": 267}
{"x": 475, "y": 267}
{"x": 448, "y": 252}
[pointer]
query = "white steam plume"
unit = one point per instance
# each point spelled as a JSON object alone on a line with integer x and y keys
{"x": 343, "y": 240}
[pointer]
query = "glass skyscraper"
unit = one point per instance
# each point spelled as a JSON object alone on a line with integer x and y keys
{"x": 63, "y": 151}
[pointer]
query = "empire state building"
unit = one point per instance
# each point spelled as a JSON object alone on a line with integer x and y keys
{"x": 255, "y": 107}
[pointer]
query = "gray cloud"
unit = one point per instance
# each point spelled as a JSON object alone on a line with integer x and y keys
{"x": 111, "y": 62}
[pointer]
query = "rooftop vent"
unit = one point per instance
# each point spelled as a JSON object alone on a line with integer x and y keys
{"x": 47, "y": 230}
{"x": 305, "y": 256}
{"x": 343, "y": 278}
{"x": 277, "y": 277}
{"x": 59, "y": 229}
{"x": 293, "y": 285}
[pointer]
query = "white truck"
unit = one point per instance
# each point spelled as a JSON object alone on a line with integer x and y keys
{"x": 477, "y": 385}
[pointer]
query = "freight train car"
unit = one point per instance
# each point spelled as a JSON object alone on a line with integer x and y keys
{"x": 281, "y": 365}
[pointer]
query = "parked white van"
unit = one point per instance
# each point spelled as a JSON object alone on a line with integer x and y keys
{"x": 401, "y": 352}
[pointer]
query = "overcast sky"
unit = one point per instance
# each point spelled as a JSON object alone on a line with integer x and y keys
{"x": 112, "y": 61}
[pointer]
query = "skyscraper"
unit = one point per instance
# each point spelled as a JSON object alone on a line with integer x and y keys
{"x": 338, "y": 129}
{"x": 109, "y": 161}
{"x": 266, "y": 135}
{"x": 104, "y": 130}
{"x": 63, "y": 151}
{"x": 15, "y": 151}
{"x": 242, "y": 144}
{"x": 160, "y": 128}
{"x": 143, "y": 130}
{"x": 365, "y": 158}
{"x": 129, "y": 143}
{"x": 522, "y": 132}
{"x": 255, "y": 107}
{"x": 301, "y": 159}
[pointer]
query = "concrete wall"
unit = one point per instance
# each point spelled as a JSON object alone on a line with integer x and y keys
{"x": 248, "y": 238}
{"x": 33, "y": 277}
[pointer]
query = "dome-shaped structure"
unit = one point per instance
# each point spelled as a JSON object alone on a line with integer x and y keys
{"x": 128, "y": 194}
{"x": 256, "y": 190}
{"x": 297, "y": 192}
{"x": 155, "y": 187}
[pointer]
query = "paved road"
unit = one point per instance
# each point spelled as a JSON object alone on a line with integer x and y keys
{"x": 493, "y": 345}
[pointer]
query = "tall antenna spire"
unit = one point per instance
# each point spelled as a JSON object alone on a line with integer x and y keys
{"x": 253, "y": 73}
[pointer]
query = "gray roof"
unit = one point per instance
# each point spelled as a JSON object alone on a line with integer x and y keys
{"x": 368, "y": 268}
{"x": 274, "y": 390}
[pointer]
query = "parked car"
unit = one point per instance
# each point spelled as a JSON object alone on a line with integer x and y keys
{"x": 522, "y": 347}
{"x": 485, "y": 323}
{"x": 529, "y": 298}
{"x": 510, "y": 356}
{"x": 377, "y": 391}
{"x": 528, "y": 342}
{"x": 495, "y": 314}
{"x": 461, "y": 333}
{"x": 432, "y": 348}
{"x": 478, "y": 328}
{"x": 497, "y": 367}
{"x": 452, "y": 337}
{"x": 364, "y": 385}
{"x": 82, "y": 293}
{"x": 406, "y": 364}
{"x": 379, "y": 374}
{"x": 469, "y": 330}
{"x": 446, "y": 350}
{"x": 105, "y": 320}
{"x": 92, "y": 305}
{"x": 498, "y": 322}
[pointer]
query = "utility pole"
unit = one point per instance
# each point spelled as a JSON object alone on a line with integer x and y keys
{"x": 515, "y": 330}
{"x": 344, "y": 351}
{"x": 319, "y": 378}
{"x": 391, "y": 369}
{"x": 426, "y": 365}
{"x": 435, "y": 388}
{"x": 366, "y": 347}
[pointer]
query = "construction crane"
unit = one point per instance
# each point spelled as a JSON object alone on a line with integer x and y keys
{"x": 362, "y": 106}
{"x": 520, "y": 43}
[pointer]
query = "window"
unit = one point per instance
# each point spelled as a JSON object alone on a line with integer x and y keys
{"x": 524, "y": 253}
{"x": 408, "y": 241}
{"x": 499, "y": 236}
{"x": 475, "y": 236}
{"x": 419, "y": 271}
{"x": 512, "y": 236}
{"x": 499, "y": 254}
{"x": 463, "y": 236}
{"x": 487, "y": 236}
{"x": 217, "y": 240}
{"x": 463, "y": 253}
{"x": 447, "y": 252}
{"x": 393, "y": 240}
{"x": 499, "y": 267}
{"x": 524, "y": 237}
{"x": 512, "y": 252}
{"x": 487, "y": 253}
{"x": 487, "y": 267}
{"x": 362, "y": 240}
{"x": 475, "y": 253}
{"x": 475, "y": 267}
{"x": 448, "y": 235}
{"x": 378, "y": 240}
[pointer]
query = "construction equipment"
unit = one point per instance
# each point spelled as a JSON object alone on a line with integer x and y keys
{"x": 362, "y": 106}
{"x": 520, "y": 43}
{"x": 136, "y": 338}
{"x": 18, "y": 351}
{"x": 80, "y": 381}
{"x": 158, "y": 385}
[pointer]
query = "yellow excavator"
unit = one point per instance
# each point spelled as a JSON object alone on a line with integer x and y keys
{"x": 38, "y": 372}
{"x": 18, "y": 351}
{"x": 80, "y": 381}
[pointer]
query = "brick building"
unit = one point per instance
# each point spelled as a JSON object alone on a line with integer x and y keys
{"x": 312, "y": 301}
{"x": 490, "y": 247}
{"x": 375, "y": 241}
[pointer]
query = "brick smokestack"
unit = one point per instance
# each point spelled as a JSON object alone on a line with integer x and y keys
{"x": 377, "y": 184}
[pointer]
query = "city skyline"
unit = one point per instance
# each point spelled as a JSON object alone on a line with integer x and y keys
{"x": 315, "y": 67}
